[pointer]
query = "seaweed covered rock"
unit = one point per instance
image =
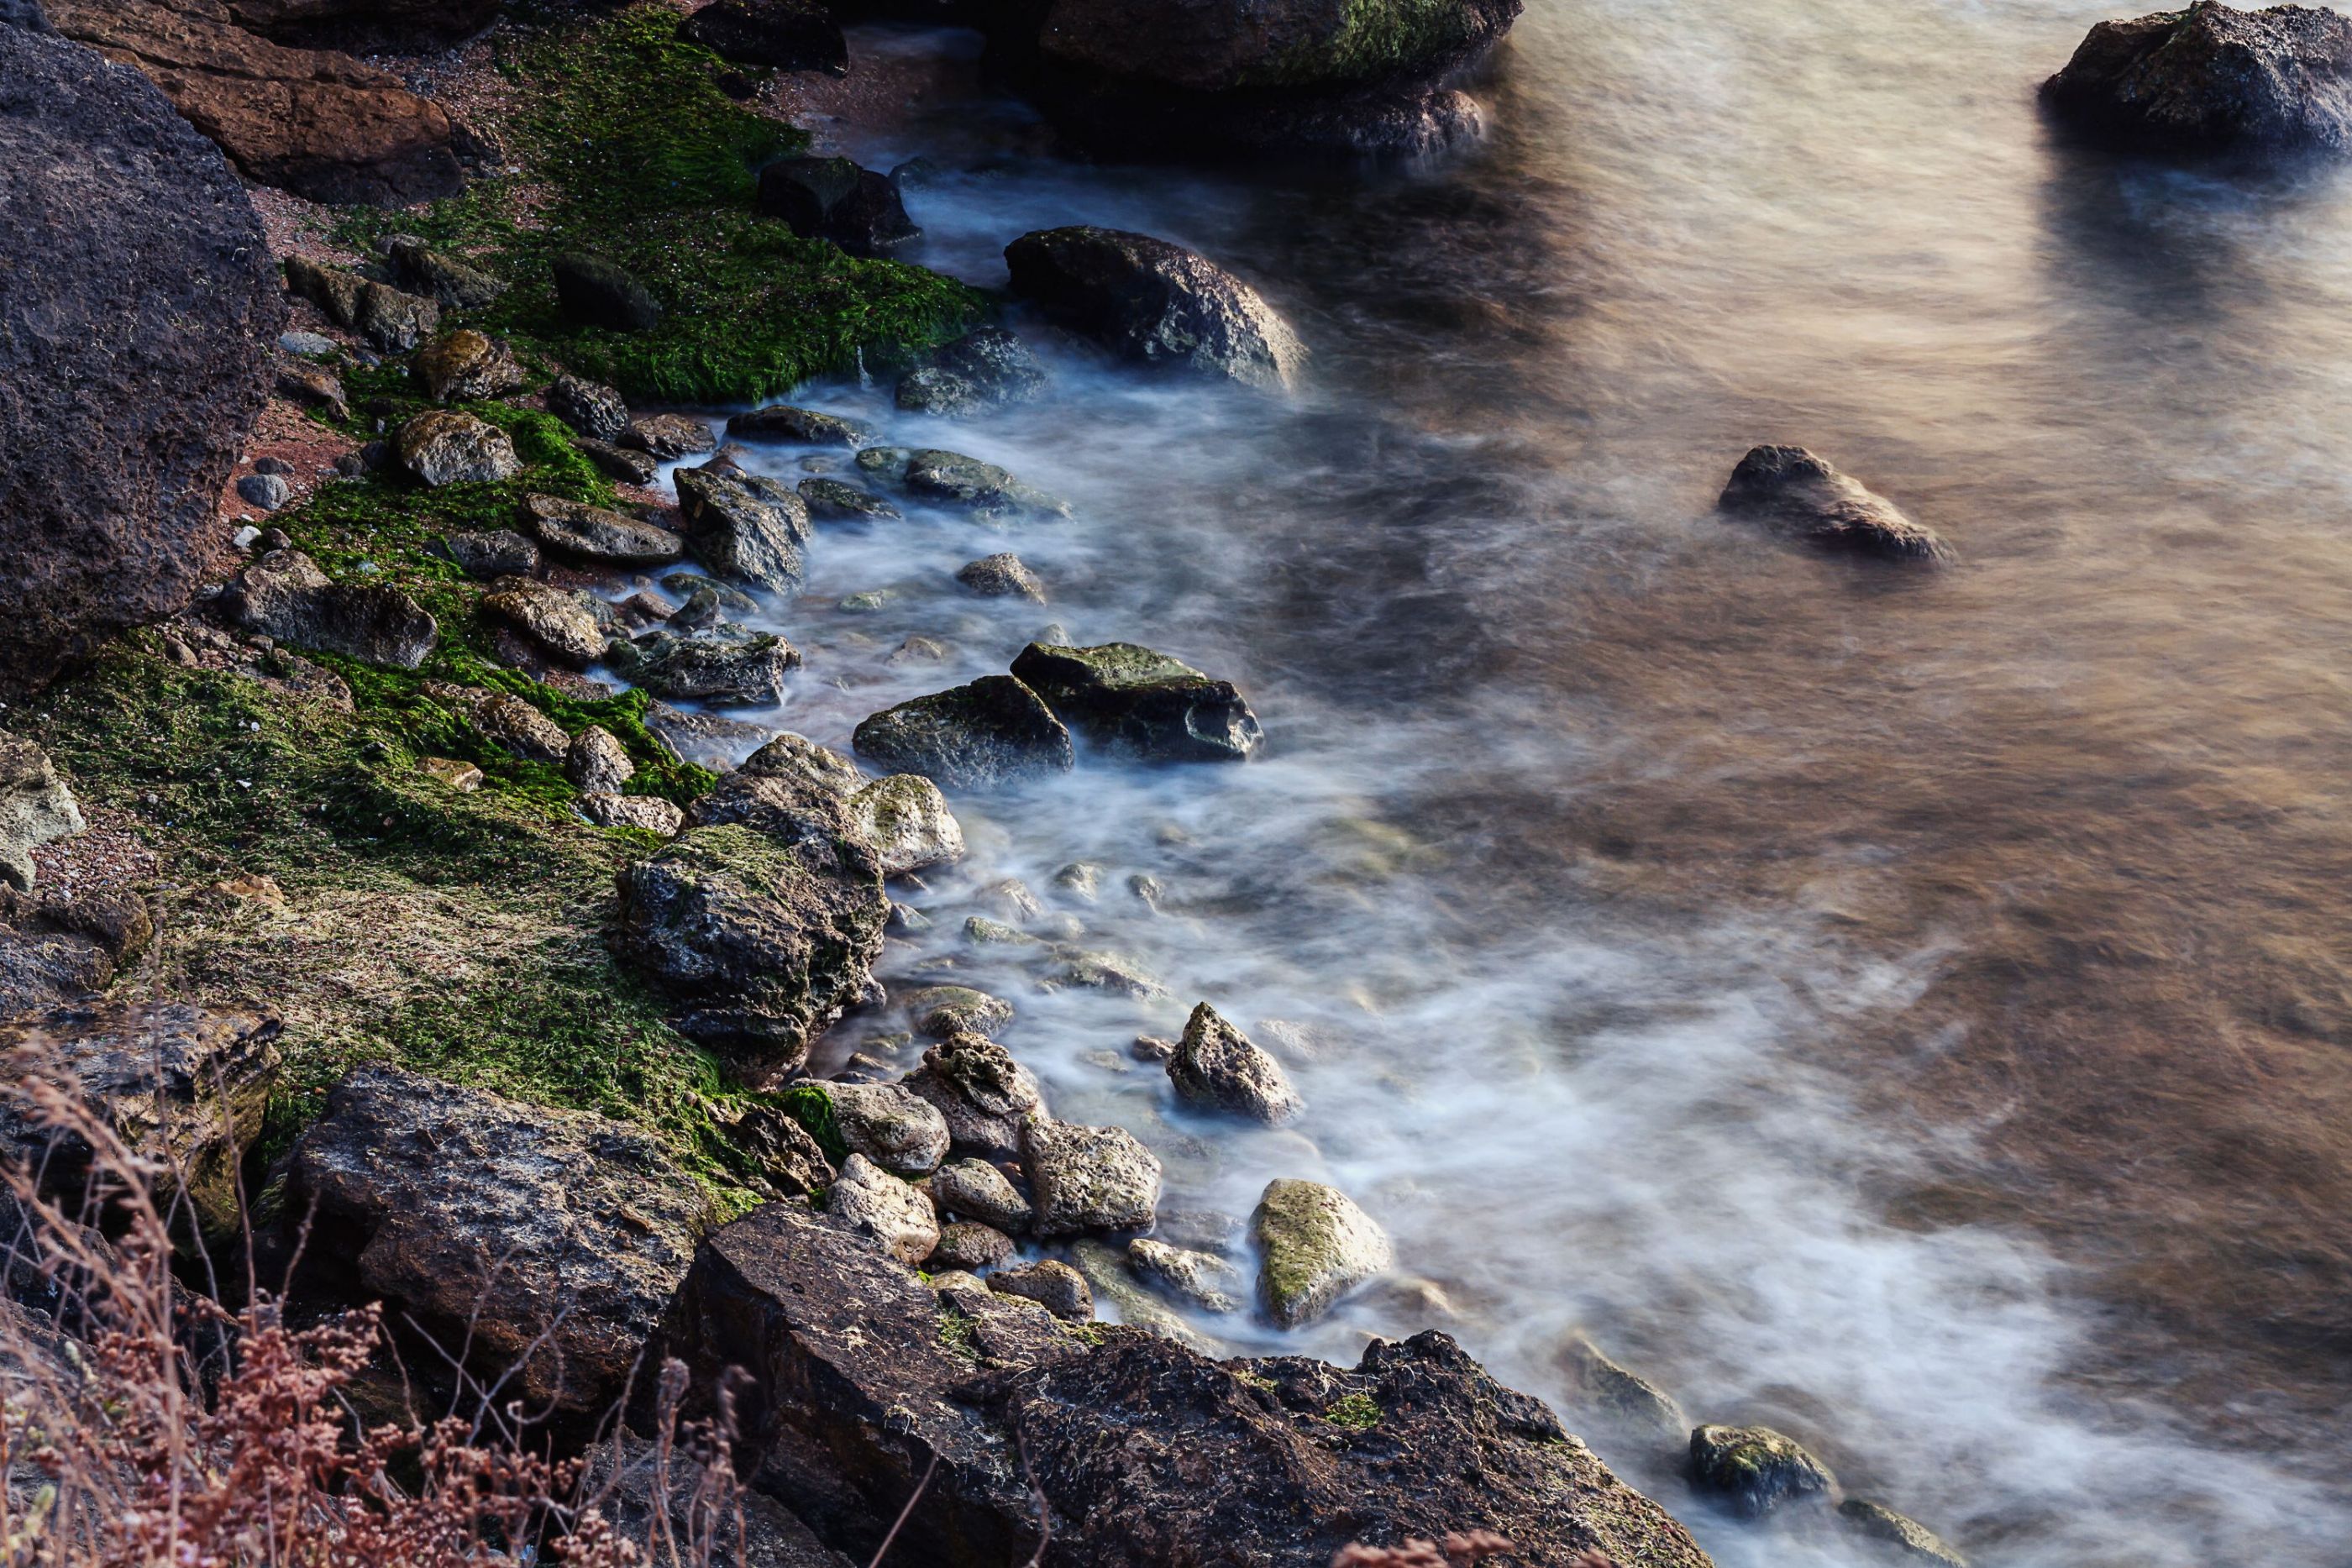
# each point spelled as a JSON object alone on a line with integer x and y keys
{"x": 984, "y": 370}
{"x": 1155, "y": 303}
{"x": 765, "y": 944}
{"x": 834, "y": 199}
{"x": 735, "y": 666}
{"x": 1218, "y": 1067}
{"x": 1132, "y": 701}
{"x": 787, "y": 35}
{"x": 1802, "y": 497}
{"x": 744, "y": 525}
{"x": 134, "y": 326}
{"x": 1315, "y": 1245}
{"x": 594, "y": 533}
{"x": 284, "y": 594}
{"x": 992, "y": 733}
{"x": 1755, "y": 1469}
{"x": 36, "y": 809}
{"x": 2212, "y": 79}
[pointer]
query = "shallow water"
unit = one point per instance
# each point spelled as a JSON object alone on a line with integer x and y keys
{"x": 1908, "y": 1010}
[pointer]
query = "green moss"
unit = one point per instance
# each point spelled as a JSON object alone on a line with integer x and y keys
{"x": 1374, "y": 39}
{"x": 956, "y": 1334}
{"x": 1355, "y": 1412}
{"x": 812, "y": 1107}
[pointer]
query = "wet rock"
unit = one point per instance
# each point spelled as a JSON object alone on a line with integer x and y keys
{"x": 521, "y": 728}
{"x": 2212, "y": 80}
{"x": 766, "y": 944}
{"x": 492, "y": 552}
{"x": 745, "y": 668}
{"x": 1093, "y": 969}
{"x": 284, "y": 594}
{"x": 888, "y": 462}
{"x": 907, "y": 819}
{"x": 441, "y": 447}
{"x": 835, "y": 501}
{"x": 1056, "y": 1287}
{"x": 982, "y": 1095}
{"x": 669, "y": 436}
{"x": 1621, "y": 1399}
{"x": 597, "y": 762}
{"x": 593, "y": 533}
{"x": 591, "y": 291}
{"x": 834, "y": 199}
{"x": 1087, "y": 1178}
{"x": 1216, "y": 1066}
{"x": 1315, "y": 1246}
{"x": 788, "y": 35}
{"x": 1157, "y": 304}
{"x": 313, "y": 386}
{"x": 989, "y": 492}
{"x": 1115, "y": 1286}
{"x": 797, "y": 759}
{"x": 646, "y": 813}
{"x": 1197, "y": 1278}
{"x": 979, "y": 372}
{"x": 805, "y": 426}
{"x": 981, "y": 931}
{"x": 790, "y": 1159}
{"x": 1151, "y": 1047}
{"x": 745, "y": 525}
{"x": 900, "y": 1132}
{"x": 992, "y": 733}
{"x": 1081, "y": 880}
{"x": 917, "y": 651}
{"x": 622, "y": 463}
{"x": 1906, "y": 1539}
{"x": 1801, "y": 496}
{"x": 731, "y": 599}
{"x": 1003, "y": 576}
{"x": 944, "y": 1010}
{"x": 36, "y": 809}
{"x": 971, "y": 1246}
{"x": 712, "y": 739}
{"x": 1134, "y": 701}
{"x": 555, "y": 619}
{"x": 1755, "y": 1469}
{"x": 466, "y": 366}
{"x": 590, "y": 408}
{"x": 976, "y": 1190}
{"x": 878, "y": 1205}
{"x": 458, "y": 285}
{"x": 496, "y": 1223}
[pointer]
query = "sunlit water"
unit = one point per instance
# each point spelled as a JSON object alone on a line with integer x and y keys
{"x": 1908, "y": 1010}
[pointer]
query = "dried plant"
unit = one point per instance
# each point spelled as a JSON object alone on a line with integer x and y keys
{"x": 1455, "y": 1552}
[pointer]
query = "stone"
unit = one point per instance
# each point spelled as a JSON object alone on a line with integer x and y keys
{"x": 591, "y": 292}
{"x": 993, "y": 733}
{"x": 496, "y": 1223}
{"x": 917, "y": 651}
{"x": 597, "y": 762}
{"x": 283, "y": 593}
{"x": 877, "y": 1205}
{"x": 1801, "y": 496}
{"x": 743, "y": 667}
{"x": 975, "y": 1190}
{"x": 266, "y": 491}
{"x": 789, "y": 1158}
{"x": 744, "y": 525}
{"x": 1136, "y": 703}
{"x": 991, "y": 493}
{"x": 981, "y": 1093}
{"x": 712, "y": 739}
{"x": 1157, "y": 304}
{"x": 594, "y": 533}
{"x": 558, "y": 620}
{"x": 313, "y": 121}
{"x": 1218, "y": 1067}
{"x": 787, "y": 35}
{"x": 521, "y": 728}
{"x": 837, "y": 501}
{"x": 65, "y": 947}
{"x": 1115, "y": 1286}
{"x": 590, "y": 408}
{"x": 626, "y": 464}
{"x": 900, "y": 1132}
{"x": 391, "y": 319}
{"x": 798, "y": 759}
{"x": 493, "y": 553}
{"x": 1315, "y": 1246}
{"x": 451, "y": 773}
{"x": 1755, "y": 1469}
{"x": 766, "y": 944}
{"x": 1054, "y": 1286}
{"x": 907, "y": 819}
{"x": 140, "y": 294}
{"x": 467, "y": 366}
{"x": 981, "y": 931}
{"x": 313, "y": 386}
{"x": 2212, "y": 79}
{"x": 1620, "y": 1398}
{"x": 36, "y": 809}
{"x": 1198, "y": 1279}
{"x": 645, "y": 813}
{"x": 1087, "y": 1178}
{"x": 456, "y": 285}
{"x": 979, "y": 372}
{"x": 1082, "y": 880}
{"x": 834, "y": 199}
{"x": 1094, "y": 969}
{"x": 627, "y": 1475}
{"x": 1151, "y": 1047}
{"x": 308, "y": 343}
{"x": 1003, "y": 576}
{"x": 970, "y": 1245}
{"x": 943, "y": 1010}
{"x": 802, "y": 426}
{"x": 442, "y": 447}
{"x": 888, "y": 462}
{"x": 669, "y": 436}
{"x": 1909, "y": 1541}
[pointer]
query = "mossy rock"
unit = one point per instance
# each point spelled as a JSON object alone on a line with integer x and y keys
{"x": 1315, "y": 1245}
{"x": 1756, "y": 1469}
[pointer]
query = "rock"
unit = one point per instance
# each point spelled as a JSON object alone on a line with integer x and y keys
{"x": 593, "y": 533}
{"x": 183, "y": 1085}
{"x": 670, "y": 436}
{"x": 467, "y": 366}
{"x": 978, "y": 1191}
{"x": 908, "y": 821}
{"x": 833, "y": 501}
{"x": 875, "y": 1204}
{"x": 981, "y": 1093}
{"x": 1754, "y": 1469}
{"x": 1056, "y": 1287}
{"x": 521, "y": 728}
{"x": 1911, "y": 1541}
{"x": 266, "y": 491}
{"x": 1196, "y": 1278}
{"x": 305, "y": 343}
{"x": 622, "y": 463}
{"x": 803, "y": 426}
{"x": 1316, "y": 1247}
{"x": 888, "y": 462}
{"x": 1087, "y": 1178}
{"x": 1107, "y": 1273}
{"x": 1216, "y": 1066}
{"x": 1155, "y": 303}
{"x": 979, "y": 372}
{"x": 451, "y": 773}
{"x": 917, "y": 651}
{"x": 788, "y": 1156}
{"x": 765, "y": 942}
{"x": 797, "y": 759}
{"x": 493, "y": 553}
{"x": 36, "y": 809}
{"x": 1621, "y": 1399}
{"x": 591, "y": 292}
{"x": 1095, "y": 970}
{"x": 590, "y": 408}
{"x": 744, "y": 525}
{"x": 65, "y": 947}
{"x": 597, "y": 762}
{"x": 646, "y": 813}
{"x": 712, "y": 739}
{"x": 981, "y": 931}
{"x": 834, "y": 199}
{"x": 1081, "y": 880}
{"x": 1801, "y": 496}
{"x": 992, "y": 733}
{"x": 138, "y": 296}
{"x": 439, "y": 277}
{"x": 496, "y": 1223}
{"x": 1134, "y": 701}
{"x": 900, "y": 1132}
{"x": 313, "y": 386}
{"x": 788, "y": 35}
{"x": 626, "y": 1474}
{"x": 313, "y": 121}
{"x": 745, "y": 668}
{"x": 445, "y": 448}
{"x": 2212, "y": 80}
{"x": 394, "y": 321}
{"x": 1151, "y": 1047}
{"x": 991, "y": 493}
{"x": 284, "y": 594}
{"x": 558, "y": 620}
{"x": 944, "y": 1010}
{"x": 1003, "y": 576}
{"x": 973, "y": 1246}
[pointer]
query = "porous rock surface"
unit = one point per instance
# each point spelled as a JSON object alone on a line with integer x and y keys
{"x": 1802, "y": 496}
{"x": 2212, "y": 79}
{"x": 1156, "y": 303}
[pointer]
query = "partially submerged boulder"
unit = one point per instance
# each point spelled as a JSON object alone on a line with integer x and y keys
{"x": 1134, "y": 701}
{"x": 907, "y": 822}
{"x": 837, "y": 501}
{"x": 744, "y": 525}
{"x": 1802, "y": 496}
{"x": 990, "y": 492}
{"x": 1218, "y": 1067}
{"x": 1198, "y": 1279}
{"x": 799, "y": 761}
{"x": 1156, "y": 303}
{"x": 992, "y": 733}
{"x": 284, "y": 594}
{"x": 1315, "y": 1245}
{"x": 1003, "y": 576}
{"x": 1755, "y": 1469}
{"x": 984, "y": 370}
{"x": 944, "y": 1010}
{"x": 1620, "y": 1399}
{"x": 834, "y": 199}
{"x": 1087, "y": 1178}
{"x": 2212, "y": 79}
{"x": 786, "y": 34}
{"x": 36, "y": 809}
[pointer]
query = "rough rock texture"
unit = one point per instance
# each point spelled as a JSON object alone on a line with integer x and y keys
{"x": 2212, "y": 79}
{"x": 993, "y": 732}
{"x": 983, "y": 371}
{"x": 1155, "y": 303}
{"x": 1197, "y": 1278}
{"x": 803, "y": 426}
{"x": 392, "y": 321}
{"x": 789, "y": 1158}
{"x": 626, "y": 1474}
{"x": 492, "y": 552}
{"x": 592, "y": 408}
{"x": 464, "y": 1206}
{"x": 597, "y": 762}
{"x": 944, "y": 1010}
{"x": 386, "y": 23}
{"x": 1218, "y": 1067}
{"x": 747, "y": 667}
{"x": 58, "y": 947}
{"x": 990, "y": 492}
{"x": 833, "y": 198}
{"x": 765, "y": 942}
{"x": 797, "y": 759}
{"x": 1003, "y": 576}
{"x": 899, "y": 1131}
{"x": 646, "y": 813}
{"x": 981, "y": 1092}
{"x": 36, "y": 809}
{"x": 788, "y": 35}
{"x": 1802, "y": 496}
{"x": 440, "y": 276}
{"x": 316, "y": 122}
{"x": 1315, "y": 1246}
{"x": 744, "y": 525}
{"x": 967, "y": 1245}
{"x": 1052, "y": 1285}
{"x": 593, "y": 533}
{"x": 1901, "y": 1537}
{"x": 466, "y": 366}
{"x": 1755, "y": 1469}
{"x": 1087, "y": 1178}
{"x": 558, "y": 620}
{"x": 908, "y": 821}
{"x": 1132, "y": 701}
{"x": 1620, "y": 1398}
{"x": 441, "y": 447}
{"x": 136, "y": 311}
{"x": 878, "y": 1205}
{"x": 836, "y": 501}
{"x": 284, "y": 594}
{"x": 976, "y": 1190}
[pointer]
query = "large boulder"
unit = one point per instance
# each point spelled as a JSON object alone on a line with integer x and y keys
{"x": 1315, "y": 1245}
{"x": 1796, "y": 493}
{"x": 314, "y": 122}
{"x": 992, "y": 733}
{"x": 36, "y": 809}
{"x": 764, "y": 942}
{"x": 1217, "y": 1067}
{"x": 907, "y": 822}
{"x": 593, "y": 533}
{"x": 136, "y": 313}
{"x": 1129, "y": 700}
{"x": 787, "y": 35}
{"x": 833, "y": 198}
{"x": 284, "y": 594}
{"x": 1155, "y": 303}
{"x": 744, "y": 525}
{"x": 2212, "y": 79}
{"x": 520, "y": 1231}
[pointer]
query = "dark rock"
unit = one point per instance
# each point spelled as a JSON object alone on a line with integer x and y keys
{"x": 1755, "y": 1469}
{"x": 394, "y": 25}
{"x": 442, "y": 447}
{"x": 991, "y": 733}
{"x": 313, "y": 386}
{"x": 668, "y": 436}
{"x": 944, "y": 1010}
{"x": 952, "y": 478}
{"x": 593, "y": 292}
{"x": 712, "y": 739}
{"x": 284, "y": 594}
{"x": 1155, "y": 303}
{"x": 1132, "y": 701}
{"x": 36, "y": 809}
{"x": 788, "y": 35}
{"x": 56, "y": 948}
{"x": 983, "y": 371}
{"x": 592, "y": 408}
{"x": 1315, "y": 1245}
{"x": 743, "y": 667}
{"x": 514, "y": 724}
{"x": 744, "y": 525}
{"x": 1800, "y": 494}
{"x": 492, "y": 552}
{"x": 421, "y": 269}
{"x": 788, "y": 1156}
{"x": 595, "y": 761}
{"x": 133, "y": 329}
{"x": 1052, "y": 1285}
{"x": 834, "y": 501}
{"x": 622, "y": 463}
{"x": 981, "y": 1093}
{"x": 805, "y": 426}
{"x": 627, "y": 1475}
{"x": 834, "y": 199}
{"x": 593, "y": 533}
{"x": 265, "y": 491}
{"x": 2212, "y": 80}
{"x": 394, "y": 321}
{"x": 1087, "y": 1178}
{"x": 1216, "y": 1066}
{"x": 466, "y": 366}
{"x": 24, "y": 13}
{"x": 1197, "y": 1278}
{"x": 1003, "y": 576}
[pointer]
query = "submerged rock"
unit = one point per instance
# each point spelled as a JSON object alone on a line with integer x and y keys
{"x": 284, "y": 594}
{"x": 1621, "y": 1399}
{"x": 787, "y": 35}
{"x": 1803, "y": 496}
{"x": 1087, "y": 1178}
{"x": 944, "y": 1010}
{"x": 992, "y": 733}
{"x": 1132, "y": 701}
{"x": 1196, "y": 1278}
{"x": 745, "y": 668}
{"x": 593, "y": 533}
{"x": 1216, "y": 1066}
{"x": 1003, "y": 576}
{"x": 836, "y": 501}
{"x": 980, "y": 372}
{"x": 745, "y": 525}
{"x": 442, "y": 447}
{"x": 989, "y": 492}
{"x": 1315, "y": 1246}
{"x": 834, "y": 199}
{"x": 1156, "y": 303}
{"x": 36, "y": 809}
{"x": 1910, "y": 1541}
{"x": 907, "y": 819}
{"x": 875, "y": 1204}
{"x": 1755, "y": 1469}
{"x": 2212, "y": 79}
